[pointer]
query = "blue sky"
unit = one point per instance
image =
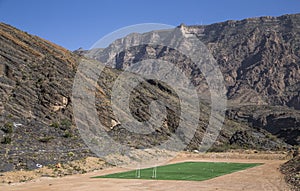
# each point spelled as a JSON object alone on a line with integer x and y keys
{"x": 80, "y": 23}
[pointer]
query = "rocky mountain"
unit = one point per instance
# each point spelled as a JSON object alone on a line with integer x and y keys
{"x": 259, "y": 59}
{"x": 36, "y": 78}
{"x": 261, "y": 54}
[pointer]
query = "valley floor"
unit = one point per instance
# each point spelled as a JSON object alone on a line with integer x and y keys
{"x": 264, "y": 177}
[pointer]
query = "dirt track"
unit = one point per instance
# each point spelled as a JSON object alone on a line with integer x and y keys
{"x": 264, "y": 177}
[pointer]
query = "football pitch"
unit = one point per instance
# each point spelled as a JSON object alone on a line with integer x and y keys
{"x": 190, "y": 171}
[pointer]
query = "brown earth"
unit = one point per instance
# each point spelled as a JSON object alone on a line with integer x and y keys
{"x": 59, "y": 170}
{"x": 264, "y": 177}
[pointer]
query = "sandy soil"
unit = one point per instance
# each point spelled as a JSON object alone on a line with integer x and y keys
{"x": 265, "y": 177}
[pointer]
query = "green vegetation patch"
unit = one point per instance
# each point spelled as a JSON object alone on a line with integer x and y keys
{"x": 191, "y": 171}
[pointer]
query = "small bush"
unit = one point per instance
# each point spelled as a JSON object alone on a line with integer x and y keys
{"x": 46, "y": 139}
{"x": 68, "y": 134}
{"x": 65, "y": 124}
{"x": 271, "y": 137}
{"x": 71, "y": 154}
{"x": 7, "y": 128}
{"x": 55, "y": 125}
{"x": 6, "y": 140}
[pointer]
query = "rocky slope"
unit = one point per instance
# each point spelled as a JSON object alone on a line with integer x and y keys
{"x": 36, "y": 80}
{"x": 259, "y": 59}
{"x": 291, "y": 169}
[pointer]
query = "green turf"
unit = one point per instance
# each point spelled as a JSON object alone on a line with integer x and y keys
{"x": 193, "y": 171}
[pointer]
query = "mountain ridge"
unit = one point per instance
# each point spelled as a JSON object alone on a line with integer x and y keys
{"x": 263, "y": 43}
{"x": 259, "y": 60}
{"x": 36, "y": 80}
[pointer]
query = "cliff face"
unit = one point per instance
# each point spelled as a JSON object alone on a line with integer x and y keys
{"x": 261, "y": 55}
{"x": 259, "y": 59}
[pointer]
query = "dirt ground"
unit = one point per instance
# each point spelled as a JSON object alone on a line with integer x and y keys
{"x": 264, "y": 177}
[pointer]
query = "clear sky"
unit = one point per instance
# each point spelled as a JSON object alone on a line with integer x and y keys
{"x": 80, "y": 23}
